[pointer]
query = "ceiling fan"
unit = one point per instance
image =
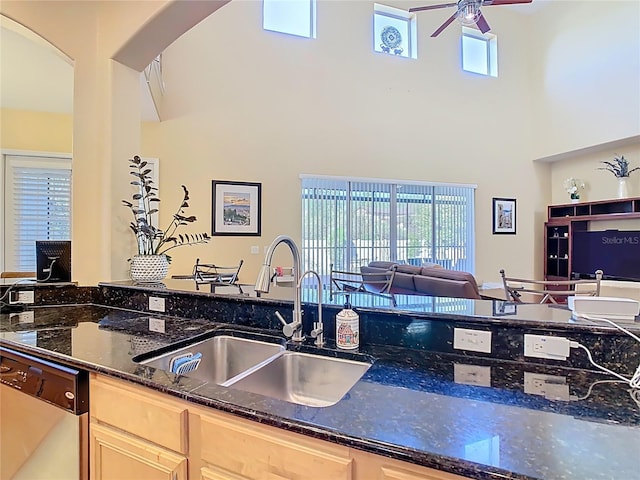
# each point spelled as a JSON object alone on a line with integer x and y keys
{"x": 468, "y": 12}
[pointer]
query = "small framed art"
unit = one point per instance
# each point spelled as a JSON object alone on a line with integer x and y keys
{"x": 504, "y": 216}
{"x": 236, "y": 208}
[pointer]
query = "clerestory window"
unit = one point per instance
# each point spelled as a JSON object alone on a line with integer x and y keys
{"x": 294, "y": 17}
{"x": 479, "y": 52}
{"x": 394, "y": 31}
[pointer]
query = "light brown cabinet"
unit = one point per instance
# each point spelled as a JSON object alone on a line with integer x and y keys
{"x": 119, "y": 456}
{"x": 135, "y": 433}
{"x": 255, "y": 451}
{"x": 138, "y": 433}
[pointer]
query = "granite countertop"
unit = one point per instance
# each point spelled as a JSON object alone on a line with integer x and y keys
{"x": 465, "y": 415}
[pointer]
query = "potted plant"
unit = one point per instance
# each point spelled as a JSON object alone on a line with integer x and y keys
{"x": 151, "y": 264}
{"x": 573, "y": 186}
{"x": 620, "y": 169}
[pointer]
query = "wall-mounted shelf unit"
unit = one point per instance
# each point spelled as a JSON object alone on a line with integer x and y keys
{"x": 564, "y": 220}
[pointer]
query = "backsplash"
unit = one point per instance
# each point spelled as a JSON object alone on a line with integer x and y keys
{"x": 423, "y": 331}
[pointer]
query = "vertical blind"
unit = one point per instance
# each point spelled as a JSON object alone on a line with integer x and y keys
{"x": 37, "y": 207}
{"x": 349, "y": 223}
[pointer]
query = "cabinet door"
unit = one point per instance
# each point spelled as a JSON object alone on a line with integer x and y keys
{"x": 139, "y": 411}
{"x": 249, "y": 450}
{"x": 117, "y": 456}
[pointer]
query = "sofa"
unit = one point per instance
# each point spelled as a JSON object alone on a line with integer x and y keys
{"x": 428, "y": 279}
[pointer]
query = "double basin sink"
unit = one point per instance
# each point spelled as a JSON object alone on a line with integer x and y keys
{"x": 262, "y": 364}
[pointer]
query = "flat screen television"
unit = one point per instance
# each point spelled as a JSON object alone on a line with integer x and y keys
{"x": 615, "y": 252}
{"x": 53, "y": 260}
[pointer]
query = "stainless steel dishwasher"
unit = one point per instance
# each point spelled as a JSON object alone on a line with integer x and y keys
{"x": 43, "y": 419}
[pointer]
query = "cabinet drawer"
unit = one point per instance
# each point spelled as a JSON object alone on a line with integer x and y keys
{"x": 256, "y": 451}
{"x": 139, "y": 411}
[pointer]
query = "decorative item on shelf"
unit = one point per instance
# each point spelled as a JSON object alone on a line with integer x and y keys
{"x": 573, "y": 186}
{"x": 151, "y": 264}
{"x": 620, "y": 169}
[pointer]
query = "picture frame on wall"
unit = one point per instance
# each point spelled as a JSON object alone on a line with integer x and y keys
{"x": 236, "y": 208}
{"x": 504, "y": 216}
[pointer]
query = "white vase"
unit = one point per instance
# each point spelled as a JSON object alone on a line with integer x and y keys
{"x": 575, "y": 200}
{"x": 149, "y": 268}
{"x": 623, "y": 188}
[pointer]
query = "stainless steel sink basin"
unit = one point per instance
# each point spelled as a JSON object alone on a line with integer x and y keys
{"x": 305, "y": 379}
{"x": 221, "y": 357}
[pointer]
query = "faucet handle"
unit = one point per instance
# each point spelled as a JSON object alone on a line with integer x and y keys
{"x": 318, "y": 334}
{"x": 289, "y": 329}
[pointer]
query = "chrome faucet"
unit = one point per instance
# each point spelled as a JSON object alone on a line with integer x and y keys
{"x": 293, "y": 329}
{"x": 318, "y": 329}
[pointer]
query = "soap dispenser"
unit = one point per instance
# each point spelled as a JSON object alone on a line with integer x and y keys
{"x": 347, "y": 327}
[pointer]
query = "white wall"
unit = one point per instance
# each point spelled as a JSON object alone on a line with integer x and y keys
{"x": 248, "y": 105}
{"x": 588, "y": 66}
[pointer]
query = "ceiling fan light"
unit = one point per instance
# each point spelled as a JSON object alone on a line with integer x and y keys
{"x": 468, "y": 12}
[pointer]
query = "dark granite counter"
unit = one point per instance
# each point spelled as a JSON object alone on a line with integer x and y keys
{"x": 476, "y": 416}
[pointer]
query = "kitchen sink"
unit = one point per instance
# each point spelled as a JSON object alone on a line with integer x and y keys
{"x": 219, "y": 358}
{"x": 303, "y": 378}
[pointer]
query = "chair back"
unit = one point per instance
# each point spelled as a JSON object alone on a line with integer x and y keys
{"x": 549, "y": 291}
{"x": 216, "y": 274}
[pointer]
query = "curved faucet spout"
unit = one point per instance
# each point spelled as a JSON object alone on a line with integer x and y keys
{"x": 263, "y": 281}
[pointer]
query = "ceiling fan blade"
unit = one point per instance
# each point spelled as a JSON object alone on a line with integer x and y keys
{"x": 444, "y": 25}
{"x": 431, "y": 7}
{"x": 488, "y": 3}
{"x": 482, "y": 24}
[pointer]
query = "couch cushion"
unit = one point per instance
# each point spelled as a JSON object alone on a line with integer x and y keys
{"x": 403, "y": 282}
{"x": 442, "y": 287}
{"x": 410, "y": 269}
{"x": 380, "y": 264}
{"x": 451, "y": 275}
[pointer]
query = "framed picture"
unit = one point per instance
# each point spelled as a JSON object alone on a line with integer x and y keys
{"x": 504, "y": 215}
{"x": 236, "y": 208}
{"x": 501, "y": 307}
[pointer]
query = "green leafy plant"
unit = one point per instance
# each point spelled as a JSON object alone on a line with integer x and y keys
{"x": 150, "y": 239}
{"x": 619, "y": 167}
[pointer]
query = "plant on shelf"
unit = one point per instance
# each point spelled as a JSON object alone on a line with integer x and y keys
{"x": 151, "y": 240}
{"x": 573, "y": 186}
{"x": 619, "y": 167}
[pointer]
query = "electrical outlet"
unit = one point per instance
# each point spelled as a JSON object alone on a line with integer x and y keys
{"x": 541, "y": 346}
{"x": 22, "y": 296}
{"x": 22, "y": 317}
{"x": 255, "y": 250}
{"x": 472, "y": 340}
{"x": 472, "y": 374}
{"x": 552, "y": 387}
{"x": 156, "y": 325}
{"x": 156, "y": 304}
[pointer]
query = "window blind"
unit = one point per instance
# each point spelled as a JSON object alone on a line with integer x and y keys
{"x": 38, "y": 207}
{"x": 351, "y": 222}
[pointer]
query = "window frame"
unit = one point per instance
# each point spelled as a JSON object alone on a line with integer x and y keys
{"x": 52, "y": 160}
{"x": 312, "y": 21}
{"x": 338, "y": 191}
{"x": 397, "y": 14}
{"x": 491, "y": 46}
